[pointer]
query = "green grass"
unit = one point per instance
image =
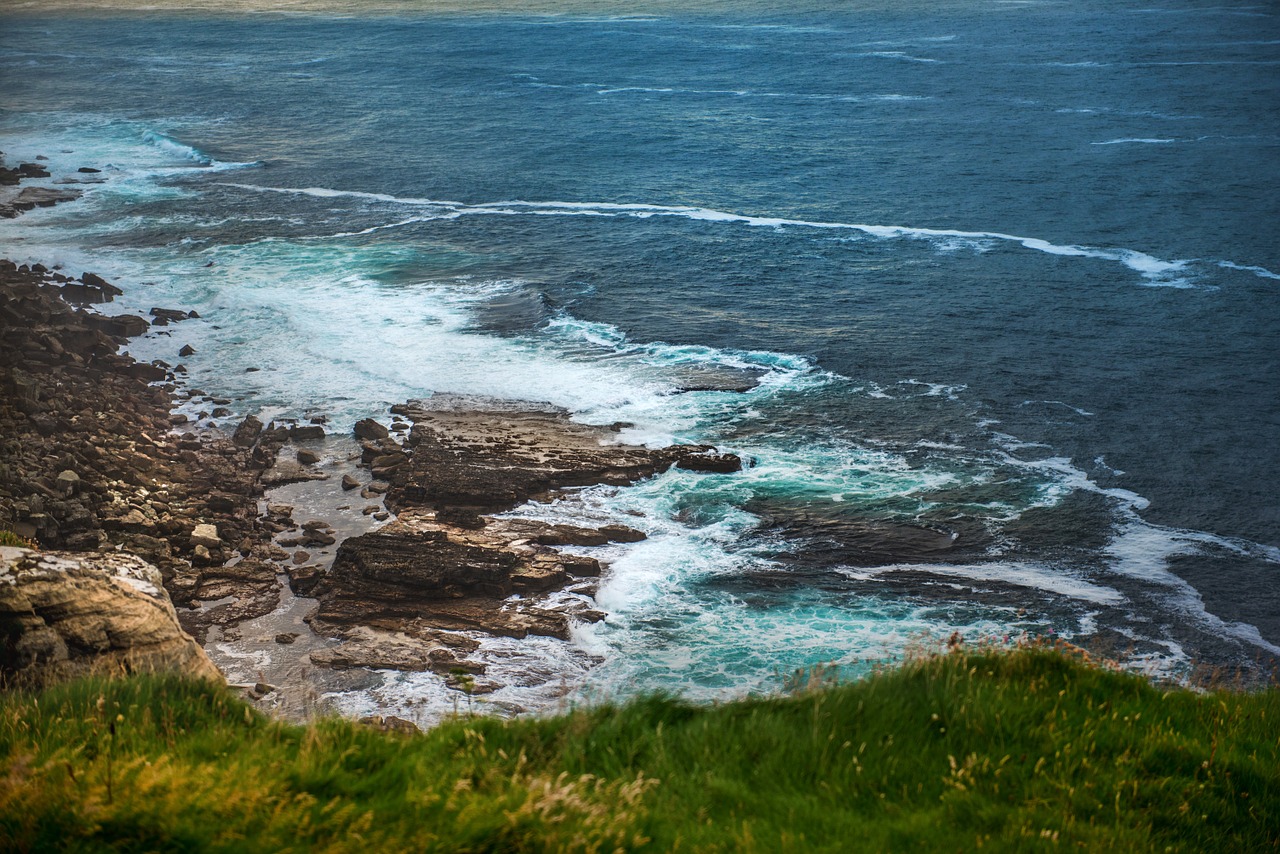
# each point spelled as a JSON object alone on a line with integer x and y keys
{"x": 9, "y": 538}
{"x": 1025, "y": 750}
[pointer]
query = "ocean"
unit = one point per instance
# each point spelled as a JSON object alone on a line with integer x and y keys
{"x": 1002, "y": 282}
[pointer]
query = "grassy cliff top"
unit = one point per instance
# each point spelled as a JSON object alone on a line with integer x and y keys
{"x": 1026, "y": 750}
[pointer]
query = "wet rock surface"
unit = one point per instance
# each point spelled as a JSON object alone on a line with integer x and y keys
{"x": 414, "y": 594}
{"x": 418, "y": 577}
{"x": 491, "y": 456}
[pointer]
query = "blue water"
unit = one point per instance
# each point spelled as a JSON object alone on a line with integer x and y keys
{"x": 1008, "y": 275}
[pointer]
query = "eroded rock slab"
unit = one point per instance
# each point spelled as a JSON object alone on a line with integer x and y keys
{"x": 493, "y": 456}
{"x": 419, "y": 574}
{"x": 228, "y": 595}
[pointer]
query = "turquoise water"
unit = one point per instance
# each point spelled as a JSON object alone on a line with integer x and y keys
{"x": 1007, "y": 279}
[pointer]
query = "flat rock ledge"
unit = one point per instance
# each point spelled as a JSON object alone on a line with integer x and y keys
{"x": 491, "y": 456}
{"x": 65, "y": 615}
{"x": 402, "y": 596}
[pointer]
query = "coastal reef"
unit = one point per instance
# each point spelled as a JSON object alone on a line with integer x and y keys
{"x": 409, "y": 595}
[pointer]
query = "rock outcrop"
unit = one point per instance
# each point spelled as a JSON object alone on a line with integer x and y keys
{"x": 412, "y": 594}
{"x": 492, "y": 456}
{"x": 420, "y": 575}
{"x": 64, "y": 615}
{"x": 14, "y": 201}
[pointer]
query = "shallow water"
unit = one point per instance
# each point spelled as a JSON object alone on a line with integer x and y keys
{"x": 1008, "y": 282}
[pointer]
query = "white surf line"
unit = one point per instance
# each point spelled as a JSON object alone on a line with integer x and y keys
{"x": 1024, "y": 574}
{"x": 1262, "y": 272}
{"x": 1148, "y": 266}
{"x": 1135, "y": 140}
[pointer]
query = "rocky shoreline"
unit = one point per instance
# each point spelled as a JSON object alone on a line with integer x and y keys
{"x": 384, "y": 560}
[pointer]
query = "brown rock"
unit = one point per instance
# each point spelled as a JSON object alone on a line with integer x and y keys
{"x": 306, "y": 433}
{"x": 251, "y": 585}
{"x": 68, "y": 615}
{"x": 622, "y": 534}
{"x": 248, "y": 431}
{"x": 370, "y": 429}
{"x": 303, "y": 579}
{"x": 704, "y": 459}
{"x": 492, "y": 456}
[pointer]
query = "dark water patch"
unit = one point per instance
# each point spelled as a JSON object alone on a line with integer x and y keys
{"x": 827, "y": 541}
{"x": 513, "y": 311}
{"x": 1075, "y": 528}
{"x": 717, "y": 378}
{"x": 1236, "y": 588}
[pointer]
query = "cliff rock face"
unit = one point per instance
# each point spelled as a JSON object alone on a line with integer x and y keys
{"x": 64, "y": 615}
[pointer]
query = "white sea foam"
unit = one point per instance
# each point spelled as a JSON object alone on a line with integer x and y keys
{"x": 1257, "y": 271}
{"x": 897, "y": 54}
{"x": 1142, "y": 551}
{"x": 1079, "y": 64}
{"x": 1135, "y": 140}
{"x": 1077, "y": 410}
{"x": 614, "y": 89}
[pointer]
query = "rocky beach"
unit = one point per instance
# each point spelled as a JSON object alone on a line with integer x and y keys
{"x": 401, "y": 568}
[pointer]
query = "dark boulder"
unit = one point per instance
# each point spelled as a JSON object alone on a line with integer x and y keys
{"x": 370, "y": 429}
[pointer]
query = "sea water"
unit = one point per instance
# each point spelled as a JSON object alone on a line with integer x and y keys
{"x": 1002, "y": 282}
